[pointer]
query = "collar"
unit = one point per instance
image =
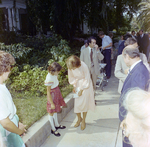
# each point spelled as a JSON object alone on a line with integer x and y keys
{"x": 89, "y": 49}
{"x": 104, "y": 37}
{"x": 135, "y": 64}
{"x": 142, "y": 35}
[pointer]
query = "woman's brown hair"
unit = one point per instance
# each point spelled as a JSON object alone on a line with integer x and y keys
{"x": 6, "y": 61}
{"x": 73, "y": 62}
{"x": 54, "y": 67}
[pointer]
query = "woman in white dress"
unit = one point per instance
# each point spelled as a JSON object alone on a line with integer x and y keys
{"x": 79, "y": 77}
{"x": 10, "y": 127}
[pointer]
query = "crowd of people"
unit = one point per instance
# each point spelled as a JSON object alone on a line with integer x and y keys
{"x": 132, "y": 69}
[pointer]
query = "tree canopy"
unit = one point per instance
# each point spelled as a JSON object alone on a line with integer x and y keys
{"x": 144, "y": 15}
{"x": 67, "y": 17}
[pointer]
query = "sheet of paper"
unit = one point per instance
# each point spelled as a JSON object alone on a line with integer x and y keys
{"x": 76, "y": 93}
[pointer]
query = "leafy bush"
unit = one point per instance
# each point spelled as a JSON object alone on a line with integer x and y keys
{"x": 30, "y": 80}
{"x": 32, "y": 61}
{"x": 44, "y": 49}
{"x": 19, "y": 51}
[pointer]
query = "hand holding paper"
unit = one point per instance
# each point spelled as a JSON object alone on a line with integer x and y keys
{"x": 76, "y": 93}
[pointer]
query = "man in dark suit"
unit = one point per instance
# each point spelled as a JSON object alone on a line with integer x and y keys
{"x": 138, "y": 76}
{"x": 133, "y": 35}
{"x": 143, "y": 42}
{"x": 122, "y": 45}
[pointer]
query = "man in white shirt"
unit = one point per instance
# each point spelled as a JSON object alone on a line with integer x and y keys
{"x": 91, "y": 57}
{"x": 106, "y": 47}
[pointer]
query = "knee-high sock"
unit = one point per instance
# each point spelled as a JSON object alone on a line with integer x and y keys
{"x": 52, "y": 122}
{"x": 56, "y": 120}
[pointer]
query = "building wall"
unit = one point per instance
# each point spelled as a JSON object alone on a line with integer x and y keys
{"x": 9, "y": 4}
{"x": 13, "y": 15}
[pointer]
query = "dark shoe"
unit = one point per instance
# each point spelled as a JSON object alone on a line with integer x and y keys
{"x": 55, "y": 133}
{"x": 60, "y": 127}
{"x": 108, "y": 77}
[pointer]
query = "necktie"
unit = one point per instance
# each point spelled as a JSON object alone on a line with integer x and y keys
{"x": 91, "y": 55}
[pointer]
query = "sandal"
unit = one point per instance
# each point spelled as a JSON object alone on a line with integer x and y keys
{"x": 78, "y": 123}
{"x": 60, "y": 127}
{"x": 55, "y": 133}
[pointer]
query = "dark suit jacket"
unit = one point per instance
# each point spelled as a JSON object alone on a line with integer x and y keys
{"x": 143, "y": 43}
{"x": 138, "y": 77}
{"x": 121, "y": 47}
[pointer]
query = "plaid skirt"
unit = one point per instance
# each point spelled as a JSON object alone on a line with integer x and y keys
{"x": 57, "y": 100}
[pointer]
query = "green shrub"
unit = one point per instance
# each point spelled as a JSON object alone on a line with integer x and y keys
{"x": 61, "y": 51}
{"x": 30, "y": 80}
{"x": 32, "y": 61}
{"x": 19, "y": 51}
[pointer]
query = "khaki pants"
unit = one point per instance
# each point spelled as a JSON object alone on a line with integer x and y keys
{"x": 93, "y": 77}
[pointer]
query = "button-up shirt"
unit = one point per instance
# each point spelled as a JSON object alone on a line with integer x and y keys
{"x": 89, "y": 50}
{"x": 106, "y": 40}
{"x": 142, "y": 35}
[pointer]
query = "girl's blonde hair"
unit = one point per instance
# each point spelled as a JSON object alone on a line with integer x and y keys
{"x": 73, "y": 62}
{"x": 137, "y": 121}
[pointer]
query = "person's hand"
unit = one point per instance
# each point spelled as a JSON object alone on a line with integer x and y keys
{"x": 123, "y": 126}
{"x": 112, "y": 50}
{"x": 73, "y": 90}
{"x": 104, "y": 48}
{"x": 96, "y": 46}
{"x": 126, "y": 71}
{"x": 21, "y": 126}
{"x": 53, "y": 106}
{"x": 80, "y": 92}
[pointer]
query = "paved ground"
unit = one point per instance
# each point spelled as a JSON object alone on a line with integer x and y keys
{"x": 102, "y": 128}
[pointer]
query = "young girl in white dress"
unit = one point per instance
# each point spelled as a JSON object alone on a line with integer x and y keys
{"x": 54, "y": 97}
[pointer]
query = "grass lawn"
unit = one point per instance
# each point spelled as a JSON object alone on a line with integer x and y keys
{"x": 32, "y": 108}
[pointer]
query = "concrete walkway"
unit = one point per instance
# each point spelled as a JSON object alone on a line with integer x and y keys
{"x": 102, "y": 126}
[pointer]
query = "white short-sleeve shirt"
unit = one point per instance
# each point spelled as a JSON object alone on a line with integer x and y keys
{"x": 51, "y": 80}
{"x": 106, "y": 40}
{"x": 7, "y": 107}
